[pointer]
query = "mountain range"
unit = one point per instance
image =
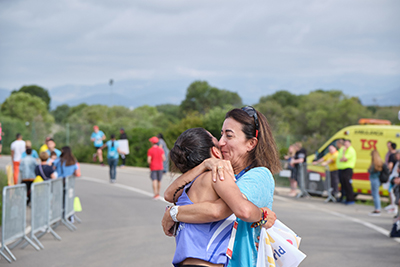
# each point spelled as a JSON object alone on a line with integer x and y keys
{"x": 155, "y": 93}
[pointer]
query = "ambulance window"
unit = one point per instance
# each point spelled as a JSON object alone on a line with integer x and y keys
{"x": 326, "y": 149}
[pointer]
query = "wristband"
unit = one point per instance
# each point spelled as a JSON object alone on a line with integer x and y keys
{"x": 174, "y": 212}
{"x": 262, "y": 221}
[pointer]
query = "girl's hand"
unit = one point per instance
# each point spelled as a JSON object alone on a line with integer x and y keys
{"x": 271, "y": 218}
{"x": 167, "y": 223}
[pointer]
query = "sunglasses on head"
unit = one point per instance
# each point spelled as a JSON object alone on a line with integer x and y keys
{"x": 252, "y": 113}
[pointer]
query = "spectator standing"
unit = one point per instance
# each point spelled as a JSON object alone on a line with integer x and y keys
{"x": 1, "y": 139}
{"x": 28, "y": 145}
{"x": 395, "y": 182}
{"x": 348, "y": 160}
{"x": 123, "y": 136}
{"x": 97, "y": 138}
{"x": 393, "y": 207}
{"x": 44, "y": 147}
{"x": 52, "y": 148}
{"x": 27, "y": 171}
{"x": 339, "y": 165}
{"x": 163, "y": 145}
{"x": 392, "y": 157}
{"x": 155, "y": 158}
{"x": 389, "y": 146}
{"x": 293, "y": 181}
{"x": 66, "y": 165}
{"x": 43, "y": 169}
{"x": 112, "y": 156}
{"x": 330, "y": 160}
{"x": 374, "y": 172}
{"x": 17, "y": 148}
{"x": 299, "y": 158}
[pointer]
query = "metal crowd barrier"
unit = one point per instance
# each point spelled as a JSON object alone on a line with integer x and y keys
{"x": 69, "y": 197}
{"x": 40, "y": 211}
{"x": 308, "y": 182}
{"x": 14, "y": 219}
{"x": 317, "y": 184}
{"x": 51, "y": 204}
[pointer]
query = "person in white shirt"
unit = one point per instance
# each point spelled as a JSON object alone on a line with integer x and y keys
{"x": 17, "y": 148}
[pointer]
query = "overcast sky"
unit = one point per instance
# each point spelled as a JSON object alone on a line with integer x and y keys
{"x": 251, "y": 47}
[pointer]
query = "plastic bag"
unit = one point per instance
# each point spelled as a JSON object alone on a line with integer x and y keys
{"x": 279, "y": 246}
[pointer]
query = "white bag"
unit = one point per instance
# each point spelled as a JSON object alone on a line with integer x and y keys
{"x": 279, "y": 246}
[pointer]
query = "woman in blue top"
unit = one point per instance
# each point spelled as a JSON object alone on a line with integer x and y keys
{"x": 250, "y": 153}
{"x": 374, "y": 172}
{"x": 112, "y": 156}
{"x": 66, "y": 165}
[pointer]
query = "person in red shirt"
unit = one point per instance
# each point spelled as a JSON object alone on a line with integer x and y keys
{"x": 155, "y": 158}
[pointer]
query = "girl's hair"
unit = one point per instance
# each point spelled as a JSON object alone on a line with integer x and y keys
{"x": 67, "y": 157}
{"x": 112, "y": 137}
{"x": 376, "y": 161}
{"x": 265, "y": 154}
{"x": 191, "y": 148}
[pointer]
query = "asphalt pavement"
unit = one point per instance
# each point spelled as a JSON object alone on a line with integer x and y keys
{"x": 121, "y": 227}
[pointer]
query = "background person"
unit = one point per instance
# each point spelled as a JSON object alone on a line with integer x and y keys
{"x": 340, "y": 165}
{"x": 299, "y": 158}
{"x": 28, "y": 145}
{"x": 292, "y": 179}
{"x": 97, "y": 138}
{"x": 163, "y": 145}
{"x": 155, "y": 159}
{"x": 374, "y": 171}
{"x": 66, "y": 165}
{"x": 43, "y": 169}
{"x": 348, "y": 160}
{"x": 17, "y": 148}
{"x": 1, "y": 138}
{"x": 51, "y": 145}
{"x": 123, "y": 136}
{"x": 388, "y": 144}
{"x": 112, "y": 156}
{"x": 330, "y": 160}
{"x": 27, "y": 171}
{"x": 44, "y": 147}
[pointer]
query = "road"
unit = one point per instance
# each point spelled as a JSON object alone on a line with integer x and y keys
{"x": 121, "y": 227}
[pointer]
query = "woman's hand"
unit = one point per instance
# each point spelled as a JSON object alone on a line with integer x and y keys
{"x": 167, "y": 222}
{"x": 218, "y": 167}
{"x": 271, "y": 218}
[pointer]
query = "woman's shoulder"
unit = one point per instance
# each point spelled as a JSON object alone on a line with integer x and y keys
{"x": 260, "y": 171}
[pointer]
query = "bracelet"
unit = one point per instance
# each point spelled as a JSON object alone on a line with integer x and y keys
{"x": 262, "y": 221}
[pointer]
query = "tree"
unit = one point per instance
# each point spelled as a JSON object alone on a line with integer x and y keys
{"x": 283, "y": 98}
{"x": 61, "y": 113}
{"x": 36, "y": 91}
{"x": 26, "y": 107}
{"x": 202, "y": 97}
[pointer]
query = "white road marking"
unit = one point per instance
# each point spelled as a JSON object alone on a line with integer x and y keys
{"x": 344, "y": 216}
{"x": 355, "y": 220}
{"x": 126, "y": 187}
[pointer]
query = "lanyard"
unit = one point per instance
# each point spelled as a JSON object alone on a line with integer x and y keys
{"x": 237, "y": 176}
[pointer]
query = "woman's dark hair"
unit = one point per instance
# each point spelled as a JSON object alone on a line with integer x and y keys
{"x": 191, "y": 148}
{"x": 67, "y": 157}
{"x": 160, "y": 136}
{"x": 265, "y": 154}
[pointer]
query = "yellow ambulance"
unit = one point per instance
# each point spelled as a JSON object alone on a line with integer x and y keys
{"x": 370, "y": 134}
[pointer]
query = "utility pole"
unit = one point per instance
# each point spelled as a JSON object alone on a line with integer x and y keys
{"x": 112, "y": 98}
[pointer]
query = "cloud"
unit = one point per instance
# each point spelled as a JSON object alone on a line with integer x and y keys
{"x": 262, "y": 45}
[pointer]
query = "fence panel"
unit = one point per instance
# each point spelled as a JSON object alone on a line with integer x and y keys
{"x": 69, "y": 196}
{"x": 14, "y": 217}
{"x": 40, "y": 209}
{"x": 56, "y": 202}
